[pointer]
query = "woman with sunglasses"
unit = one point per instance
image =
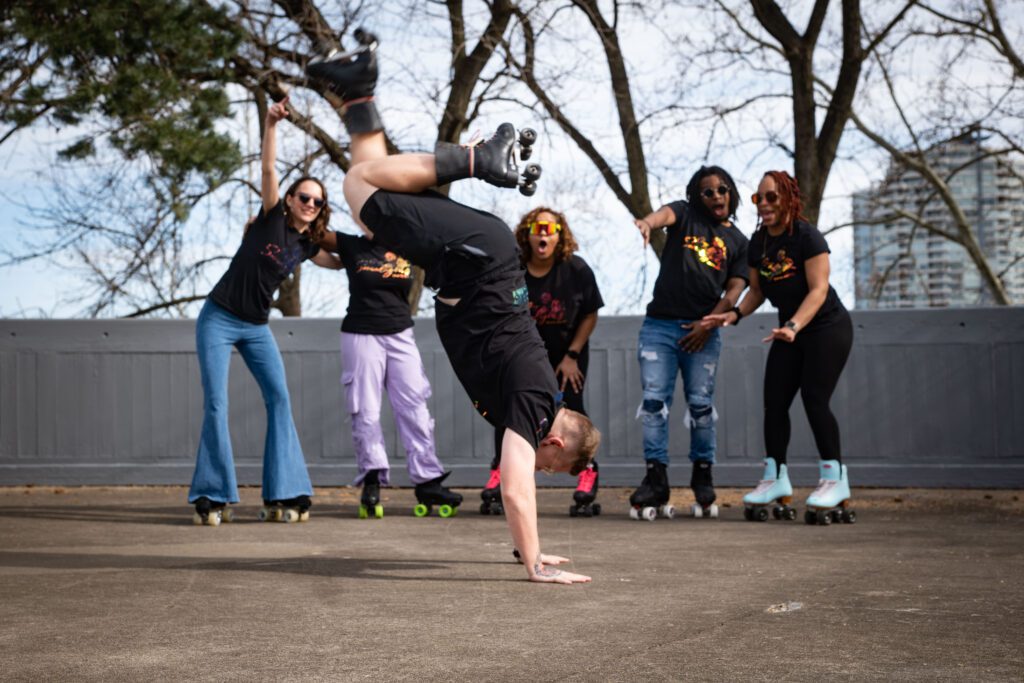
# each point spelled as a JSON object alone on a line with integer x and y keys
{"x": 703, "y": 271}
{"x": 283, "y": 235}
{"x": 564, "y": 299}
{"x": 789, "y": 266}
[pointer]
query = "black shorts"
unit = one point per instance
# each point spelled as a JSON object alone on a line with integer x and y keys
{"x": 456, "y": 245}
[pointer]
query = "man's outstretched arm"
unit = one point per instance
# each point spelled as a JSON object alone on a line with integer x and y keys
{"x": 519, "y": 495}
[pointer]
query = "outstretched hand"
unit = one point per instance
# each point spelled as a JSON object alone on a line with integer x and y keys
{"x": 782, "y": 334}
{"x": 278, "y": 111}
{"x": 545, "y": 572}
{"x": 645, "y": 230}
{"x": 713, "y": 320}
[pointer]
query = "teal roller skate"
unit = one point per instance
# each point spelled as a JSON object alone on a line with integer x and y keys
{"x": 773, "y": 491}
{"x": 830, "y": 502}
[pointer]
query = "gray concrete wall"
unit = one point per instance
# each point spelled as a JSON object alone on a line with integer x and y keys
{"x": 929, "y": 398}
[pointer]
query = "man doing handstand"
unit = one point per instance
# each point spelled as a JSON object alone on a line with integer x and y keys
{"x": 472, "y": 260}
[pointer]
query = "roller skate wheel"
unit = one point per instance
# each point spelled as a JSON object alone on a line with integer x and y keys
{"x": 810, "y": 517}
{"x": 527, "y": 137}
{"x": 761, "y": 515}
{"x": 596, "y": 507}
{"x": 378, "y": 511}
{"x": 713, "y": 511}
{"x": 197, "y": 519}
{"x": 289, "y": 516}
{"x": 446, "y": 511}
{"x": 696, "y": 511}
{"x": 837, "y": 516}
{"x": 573, "y": 511}
{"x": 823, "y": 517}
{"x": 634, "y": 513}
{"x": 532, "y": 171}
{"x": 421, "y": 510}
{"x": 485, "y": 509}
{"x": 789, "y": 514}
{"x": 777, "y": 512}
{"x": 497, "y": 509}
{"x": 227, "y": 515}
{"x": 748, "y": 514}
{"x": 849, "y": 517}
{"x": 363, "y": 513}
{"x": 528, "y": 188}
{"x": 649, "y": 514}
{"x": 265, "y": 514}
{"x": 668, "y": 511}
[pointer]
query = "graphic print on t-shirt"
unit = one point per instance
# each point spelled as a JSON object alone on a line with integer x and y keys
{"x": 713, "y": 255}
{"x": 549, "y": 311}
{"x": 284, "y": 260}
{"x": 779, "y": 269}
{"x": 392, "y": 267}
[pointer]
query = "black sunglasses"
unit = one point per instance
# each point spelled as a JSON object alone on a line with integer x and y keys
{"x": 708, "y": 193}
{"x": 306, "y": 199}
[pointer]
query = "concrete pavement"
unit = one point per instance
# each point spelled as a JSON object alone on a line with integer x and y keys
{"x": 117, "y": 584}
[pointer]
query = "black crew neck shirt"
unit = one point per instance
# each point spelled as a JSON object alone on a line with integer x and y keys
{"x": 379, "y": 282}
{"x": 780, "y": 268}
{"x": 698, "y": 259}
{"x": 559, "y": 300}
{"x": 269, "y": 253}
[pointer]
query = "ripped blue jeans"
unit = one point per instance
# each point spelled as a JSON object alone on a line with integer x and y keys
{"x": 660, "y": 357}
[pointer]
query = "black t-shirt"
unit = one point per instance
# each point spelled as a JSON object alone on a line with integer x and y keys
{"x": 490, "y": 338}
{"x": 559, "y": 301}
{"x": 379, "y": 282}
{"x": 459, "y": 246}
{"x": 269, "y": 253}
{"x": 499, "y": 357}
{"x": 698, "y": 259}
{"x": 780, "y": 268}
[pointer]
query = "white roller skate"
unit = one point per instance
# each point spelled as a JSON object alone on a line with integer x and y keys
{"x": 830, "y": 502}
{"x": 773, "y": 491}
{"x": 652, "y": 496}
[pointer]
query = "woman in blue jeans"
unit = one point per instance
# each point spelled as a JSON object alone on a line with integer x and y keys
{"x": 703, "y": 271}
{"x": 283, "y": 235}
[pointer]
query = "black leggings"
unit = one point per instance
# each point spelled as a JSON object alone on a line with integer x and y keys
{"x": 812, "y": 364}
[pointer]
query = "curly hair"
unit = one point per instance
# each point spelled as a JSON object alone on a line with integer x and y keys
{"x": 318, "y": 228}
{"x": 693, "y": 191}
{"x": 567, "y": 245}
{"x": 791, "y": 205}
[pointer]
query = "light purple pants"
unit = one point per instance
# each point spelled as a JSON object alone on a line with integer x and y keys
{"x": 371, "y": 363}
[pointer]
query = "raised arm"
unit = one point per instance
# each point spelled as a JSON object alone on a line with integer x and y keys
{"x": 653, "y": 221}
{"x": 269, "y": 191}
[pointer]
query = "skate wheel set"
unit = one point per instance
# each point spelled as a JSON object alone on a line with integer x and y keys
{"x": 209, "y": 513}
{"x": 585, "y": 510}
{"x": 282, "y": 514}
{"x": 760, "y": 513}
{"x": 422, "y": 510}
{"x": 531, "y": 172}
{"x": 650, "y": 513}
{"x": 492, "y": 507}
{"x": 698, "y": 511}
{"x": 375, "y": 511}
{"x": 842, "y": 514}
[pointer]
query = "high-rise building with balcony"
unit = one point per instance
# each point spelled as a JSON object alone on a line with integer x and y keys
{"x": 900, "y": 264}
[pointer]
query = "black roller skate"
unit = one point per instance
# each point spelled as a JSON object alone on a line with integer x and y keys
{"x": 370, "y": 500}
{"x": 494, "y": 161}
{"x": 288, "y": 511}
{"x": 652, "y": 496}
{"x": 431, "y": 493}
{"x": 491, "y": 495}
{"x": 352, "y": 76}
{"x": 703, "y": 491}
{"x": 210, "y": 513}
{"x": 585, "y": 493}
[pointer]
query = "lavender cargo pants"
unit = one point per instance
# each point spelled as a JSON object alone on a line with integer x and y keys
{"x": 371, "y": 363}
